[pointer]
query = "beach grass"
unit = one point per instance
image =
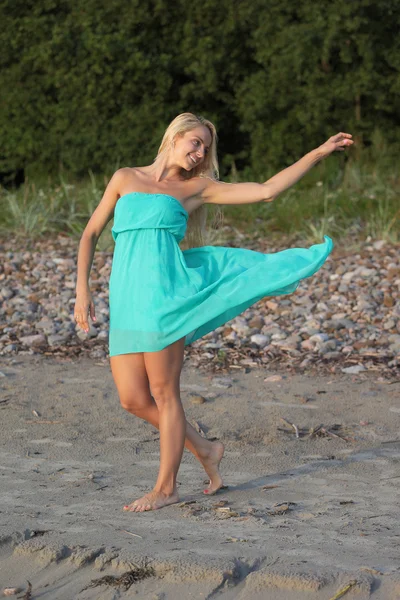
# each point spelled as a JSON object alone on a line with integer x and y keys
{"x": 355, "y": 199}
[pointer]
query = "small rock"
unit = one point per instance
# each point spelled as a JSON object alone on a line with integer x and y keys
{"x": 354, "y": 370}
{"x": 388, "y": 300}
{"x": 257, "y": 322}
{"x": 307, "y": 345}
{"x": 349, "y": 275}
{"x": 319, "y": 337}
{"x": 10, "y": 348}
{"x": 33, "y": 340}
{"x": 328, "y": 346}
{"x": 103, "y": 335}
{"x": 58, "y": 339}
{"x": 11, "y": 591}
{"x": 347, "y": 349}
{"x": 47, "y": 326}
{"x": 368, "y": 272}
{"x": 240, "y": 326}
{"x": 232, "y": 336}
{"x": 260, "y": 339}
{"x": 197, "y": 399}
{"x": 98, "y": 353}
{"x": 227, "y": 331}
{"x": 273, "y": 378}
{"x": 271, "y": 305}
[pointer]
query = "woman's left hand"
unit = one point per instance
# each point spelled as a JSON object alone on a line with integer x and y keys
{"x": 338, "y": 142}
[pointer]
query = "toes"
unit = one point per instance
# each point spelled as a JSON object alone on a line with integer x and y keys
{"x": 211, "y": 492}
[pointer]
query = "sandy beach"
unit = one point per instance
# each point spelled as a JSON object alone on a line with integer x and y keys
{"x": 304, "y": 514}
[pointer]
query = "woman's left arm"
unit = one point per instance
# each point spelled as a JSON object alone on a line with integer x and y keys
{"x": 217, "y": 192}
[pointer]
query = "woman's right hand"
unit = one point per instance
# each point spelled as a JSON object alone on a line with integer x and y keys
{"x": 84, "y": 306}
{"x": 338, "y": 142}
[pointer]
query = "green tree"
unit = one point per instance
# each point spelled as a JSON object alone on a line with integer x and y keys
{"x": 323, "y": 67}
{"x": 93, "y": 85}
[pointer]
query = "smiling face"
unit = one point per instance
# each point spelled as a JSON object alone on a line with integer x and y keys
{"x": 191, "y": 148}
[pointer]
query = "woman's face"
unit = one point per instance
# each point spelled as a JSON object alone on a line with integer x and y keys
{"x": 191, "y": 148}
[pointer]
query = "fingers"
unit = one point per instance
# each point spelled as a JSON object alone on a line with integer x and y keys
{"x": 92, "y": 312}
{"x": 346, "y": 143}
{"x": 84, "y": 307}
{"x": 342, "y": 141}
{"x": 81, "y": 318}
{"x": 341, "y": 136}
{"x": 82, "y": 322}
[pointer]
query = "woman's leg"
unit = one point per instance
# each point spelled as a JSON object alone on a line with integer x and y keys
{"x": 163, "y": 370}
{"x": 131, "y": 379}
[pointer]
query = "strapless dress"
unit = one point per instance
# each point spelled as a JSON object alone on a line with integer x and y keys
{"x": 159, "y": 293}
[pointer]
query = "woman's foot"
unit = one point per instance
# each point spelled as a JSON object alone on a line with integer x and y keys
{"x": 211, "y": 467}
{"x": 152, "y": 501}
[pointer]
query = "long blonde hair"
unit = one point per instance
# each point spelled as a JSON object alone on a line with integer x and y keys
{"x": 196, "y": 228}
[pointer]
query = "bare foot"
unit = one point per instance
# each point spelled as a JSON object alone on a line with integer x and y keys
{"x": 152, "y": 501}
{"x": 211, "y": 466}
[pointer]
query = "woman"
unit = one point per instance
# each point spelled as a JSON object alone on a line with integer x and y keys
{"x": 162, "y": 299}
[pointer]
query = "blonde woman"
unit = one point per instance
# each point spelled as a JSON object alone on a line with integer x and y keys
{"x": 162, "y": 299}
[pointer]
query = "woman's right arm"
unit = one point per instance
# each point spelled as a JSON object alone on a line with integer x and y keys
{"x": 101, "y": 216}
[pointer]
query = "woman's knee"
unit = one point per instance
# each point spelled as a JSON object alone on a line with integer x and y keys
{"x": 132, "y": 383}
{"x": 165, "y": 393}
{"x": 136, "y": 403}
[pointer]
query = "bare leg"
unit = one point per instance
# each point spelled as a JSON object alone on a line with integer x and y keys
{"x": 132, "y": 382}
{"x": 163, "y": 370}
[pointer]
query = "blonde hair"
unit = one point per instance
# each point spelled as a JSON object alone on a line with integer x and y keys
{"x": 196, "y": 228}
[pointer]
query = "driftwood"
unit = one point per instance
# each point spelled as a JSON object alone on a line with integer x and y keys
{"x": 320, "y": 431}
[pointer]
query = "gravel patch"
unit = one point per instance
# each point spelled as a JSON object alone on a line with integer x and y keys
{"x": 344, "y": 318}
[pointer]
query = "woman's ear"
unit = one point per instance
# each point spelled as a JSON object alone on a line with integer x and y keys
{"x": 175, "y": 138}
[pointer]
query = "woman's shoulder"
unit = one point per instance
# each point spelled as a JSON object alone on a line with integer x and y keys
{"x": 126, "y": 177}
{"x": 124, "y": 172}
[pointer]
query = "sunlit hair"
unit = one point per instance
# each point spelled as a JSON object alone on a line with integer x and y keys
{"x": 195, "y": 233}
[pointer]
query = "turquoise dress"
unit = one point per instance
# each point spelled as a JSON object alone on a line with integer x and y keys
{"x": 159, "y": 293}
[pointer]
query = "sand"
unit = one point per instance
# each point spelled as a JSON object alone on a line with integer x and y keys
{"x": 301, "y": 517}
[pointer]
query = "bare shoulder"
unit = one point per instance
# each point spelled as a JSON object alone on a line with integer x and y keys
{"x": 121, "y": 177}
{"x": 128, "y": 178}
{"x": 104, "y": 212}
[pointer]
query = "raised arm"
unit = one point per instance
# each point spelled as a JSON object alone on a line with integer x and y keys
{"x": 217, "y": 192}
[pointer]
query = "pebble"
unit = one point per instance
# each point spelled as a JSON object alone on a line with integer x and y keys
{"x": 260, "y": 340}
{"x": 354, "y": 370}
{"x": 348, "y": 313}
{"x": 33, "y": 340}
{"x": 58, "y": 339}
{"x": 197, "y": 399}
{"x": 273, "y": 378}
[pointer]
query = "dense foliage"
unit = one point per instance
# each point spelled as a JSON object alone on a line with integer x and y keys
{"x": 92, "y": 85}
